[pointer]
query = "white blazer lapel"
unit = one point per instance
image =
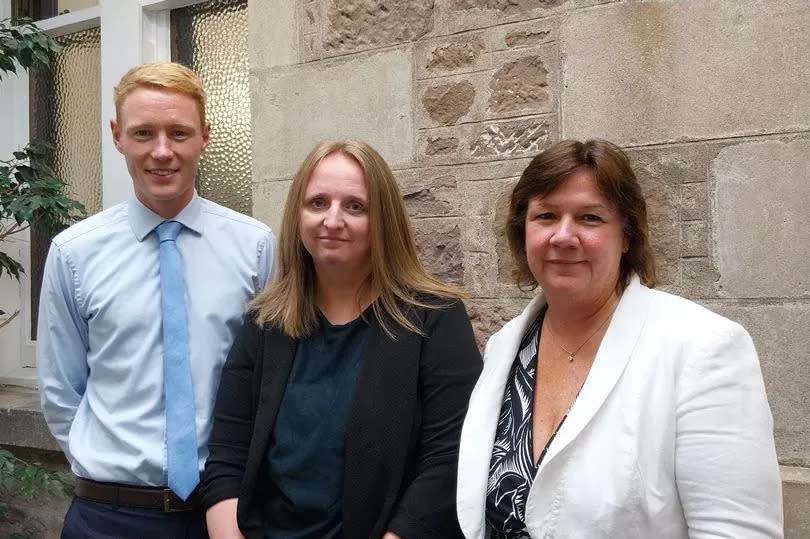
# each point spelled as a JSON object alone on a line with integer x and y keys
{"x": 478, "y": 433}
{"x": 615, "y": 350}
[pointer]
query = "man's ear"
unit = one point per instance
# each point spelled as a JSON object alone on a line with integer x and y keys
{"x": 116, "y": 133}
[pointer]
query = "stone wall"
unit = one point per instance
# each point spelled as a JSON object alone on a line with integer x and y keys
{"x": 709, "y": 98}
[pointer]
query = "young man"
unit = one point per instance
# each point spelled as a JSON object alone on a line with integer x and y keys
{"x": 138, "y": 309}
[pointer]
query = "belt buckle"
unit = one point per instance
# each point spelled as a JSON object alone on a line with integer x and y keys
{"x": 168, "y": 506}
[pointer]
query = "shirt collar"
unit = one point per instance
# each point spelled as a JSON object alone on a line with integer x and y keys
{"x": 143, "y": 220}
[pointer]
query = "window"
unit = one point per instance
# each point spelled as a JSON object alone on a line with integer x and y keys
{"x": 44, "y": 9}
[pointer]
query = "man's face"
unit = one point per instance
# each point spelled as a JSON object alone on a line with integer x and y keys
{"x": 160, "y": 135}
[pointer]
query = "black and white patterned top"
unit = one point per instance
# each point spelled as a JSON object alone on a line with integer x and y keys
{"x": 511, "y": 470}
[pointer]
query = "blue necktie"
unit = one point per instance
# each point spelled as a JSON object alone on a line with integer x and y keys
{"x": 181, "y": 428}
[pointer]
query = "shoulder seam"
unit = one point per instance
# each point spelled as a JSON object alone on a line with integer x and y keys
{"x": 95, "y": 227}
{"x": 245, "y": 219}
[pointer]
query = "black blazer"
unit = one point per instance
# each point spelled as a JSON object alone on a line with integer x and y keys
{"x": 401, "y": 440}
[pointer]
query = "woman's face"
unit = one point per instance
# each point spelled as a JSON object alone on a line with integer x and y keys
{"x": 334, "y": 222}
{"x": 575, "y": 240}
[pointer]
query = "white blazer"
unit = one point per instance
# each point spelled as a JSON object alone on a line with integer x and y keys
{"x": 671, "y": 435}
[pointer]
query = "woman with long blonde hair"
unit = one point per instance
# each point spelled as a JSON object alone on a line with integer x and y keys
{"x": 340, "y": 405}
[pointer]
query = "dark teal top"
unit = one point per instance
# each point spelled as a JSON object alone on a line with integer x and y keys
{"x": 306, "y": 452}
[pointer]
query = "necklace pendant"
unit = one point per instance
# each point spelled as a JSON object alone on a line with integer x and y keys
{"x": 570, "y": 357}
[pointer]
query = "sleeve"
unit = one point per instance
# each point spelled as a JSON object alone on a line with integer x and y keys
{"x": 725, "y": 459}
{"x": 62, "y": 344}
{"x": 234, "y": 413}
{"x": 450, "y": 366}
{"x": 266, "y": 252}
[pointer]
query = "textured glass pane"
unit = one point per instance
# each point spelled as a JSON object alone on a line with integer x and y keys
{"x": 211, "y": 38}
{"x": 65, "y": 111}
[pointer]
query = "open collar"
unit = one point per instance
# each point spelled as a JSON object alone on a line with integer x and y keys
{"x": 611, "y": 359}
{"x": 478, "y": 435}
{"x": 143, "y": 221}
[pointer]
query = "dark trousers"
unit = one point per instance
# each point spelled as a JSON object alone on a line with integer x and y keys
{"x": 93, "y": 520}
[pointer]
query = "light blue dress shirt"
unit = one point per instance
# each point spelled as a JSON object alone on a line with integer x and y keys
{"x": 99, "y": 344}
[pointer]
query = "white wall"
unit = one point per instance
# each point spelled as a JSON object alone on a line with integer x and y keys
{"x": 13, "y": 136}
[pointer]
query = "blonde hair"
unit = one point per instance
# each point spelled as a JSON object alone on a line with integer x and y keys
{"x": 169, "y": 76}
{"x": 398, "y": 279}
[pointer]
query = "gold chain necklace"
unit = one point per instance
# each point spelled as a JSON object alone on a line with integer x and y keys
{"x": 575, "y": 352}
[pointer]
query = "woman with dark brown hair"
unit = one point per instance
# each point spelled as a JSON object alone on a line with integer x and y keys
{"x": 609, "y": 409}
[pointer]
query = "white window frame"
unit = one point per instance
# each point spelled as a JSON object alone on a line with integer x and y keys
{"x": 132, "y": 32}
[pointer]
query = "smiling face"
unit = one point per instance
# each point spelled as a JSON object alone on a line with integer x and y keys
{"x": 575, "y": 240}
{"x": 334, "y": 222}
{"x": 159, "y": 132}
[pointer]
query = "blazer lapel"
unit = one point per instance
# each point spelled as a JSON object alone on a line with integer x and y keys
{"x": 278, "y": 355}
{"x": 611, "y": 358}
{"x": 478, "y": 433}
{"x": 384, "y": 407}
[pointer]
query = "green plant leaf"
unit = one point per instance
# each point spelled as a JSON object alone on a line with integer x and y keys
{"x": 7, "y": 64}
{"x": 24, "y": 173}
{"x": 14, "y": 43}
{"x": 42, "y": 56}
{"x": 14, "y": 269}
{"x": 55, "y": 486}
{"x": 28, "y": 480}
{"x": 26, "y": 58}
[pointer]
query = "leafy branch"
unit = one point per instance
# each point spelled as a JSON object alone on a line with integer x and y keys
{"x": 23, "y": 45}
{"x": 26, "y": 480}
{"x": 17, "y": 475}
{"x": 30, "y": 191}
{"x": 32, "y": 194}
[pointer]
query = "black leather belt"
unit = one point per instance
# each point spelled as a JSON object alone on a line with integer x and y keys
{"x": 129, "y": 496}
